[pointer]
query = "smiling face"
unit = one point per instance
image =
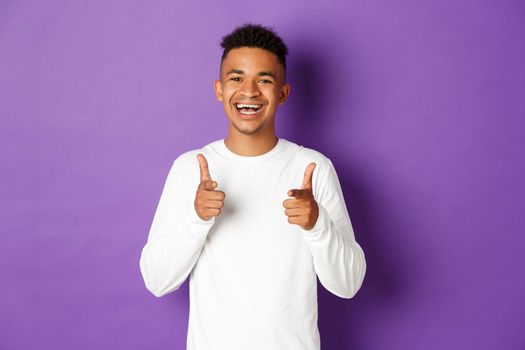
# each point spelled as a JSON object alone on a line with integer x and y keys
{"x": 251, "y": 86}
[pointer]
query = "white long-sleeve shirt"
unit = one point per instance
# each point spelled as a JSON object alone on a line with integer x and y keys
{"x": 252, "y": 273}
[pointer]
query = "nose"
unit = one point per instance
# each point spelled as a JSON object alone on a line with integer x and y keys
{"x": 249, "y": 88}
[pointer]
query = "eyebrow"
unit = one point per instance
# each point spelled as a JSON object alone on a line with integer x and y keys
{"x": 260, "y": 74}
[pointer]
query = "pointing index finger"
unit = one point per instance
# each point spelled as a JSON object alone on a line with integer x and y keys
{"x": 203, "y": 167}
{"x": 307, "y": 180}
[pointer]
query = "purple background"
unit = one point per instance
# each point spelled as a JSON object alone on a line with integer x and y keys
{"x": 420, "y": 105}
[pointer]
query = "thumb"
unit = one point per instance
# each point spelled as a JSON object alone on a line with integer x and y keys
{"x": 209, "y": 185}
{"x": 308, "y": 174}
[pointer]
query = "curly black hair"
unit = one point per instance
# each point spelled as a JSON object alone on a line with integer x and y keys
{"x": 255, "y": 35}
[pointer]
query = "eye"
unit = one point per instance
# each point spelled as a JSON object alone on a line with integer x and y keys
{"x": 265, "y": 81}
{"x": 235, "y": 78}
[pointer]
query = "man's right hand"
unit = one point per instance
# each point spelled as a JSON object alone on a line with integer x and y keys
{"x": 208, "y": 202}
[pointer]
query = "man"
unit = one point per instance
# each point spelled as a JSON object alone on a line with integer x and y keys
{"x": 224, "y": 218}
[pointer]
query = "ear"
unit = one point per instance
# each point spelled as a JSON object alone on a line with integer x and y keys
{"x": 285, "y": 91}
{"x": 217, "y": 85}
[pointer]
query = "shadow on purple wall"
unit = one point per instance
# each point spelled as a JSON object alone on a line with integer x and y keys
{"x": 340, "y": 320}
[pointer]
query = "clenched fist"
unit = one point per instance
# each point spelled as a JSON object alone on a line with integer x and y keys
{"x": 303, "y": 209}
{"x": 208, "y": 202}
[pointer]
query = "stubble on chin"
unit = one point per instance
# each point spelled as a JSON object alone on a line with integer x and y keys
{"x": 247, "y": 131}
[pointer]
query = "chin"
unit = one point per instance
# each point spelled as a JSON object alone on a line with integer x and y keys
{"x": 250, "y": 131}
{"x": 247, "y": 130}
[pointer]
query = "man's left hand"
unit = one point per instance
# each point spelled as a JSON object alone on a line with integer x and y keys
{"x": 302, "y": 209}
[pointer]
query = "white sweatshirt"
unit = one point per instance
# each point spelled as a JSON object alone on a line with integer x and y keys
{"x": 252, "y": 273}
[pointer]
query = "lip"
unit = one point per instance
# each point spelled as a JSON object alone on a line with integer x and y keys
{"x": 249, "y": 116}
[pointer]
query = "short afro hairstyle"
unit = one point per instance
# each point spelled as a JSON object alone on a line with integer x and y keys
{"x": 257, "y": 36}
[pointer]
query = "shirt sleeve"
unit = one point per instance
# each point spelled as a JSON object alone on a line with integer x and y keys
{"x": 176, "y": 236}
{"x": 338, "y": 259}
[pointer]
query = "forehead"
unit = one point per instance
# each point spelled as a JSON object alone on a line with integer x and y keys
{"x": 251, "y": 60}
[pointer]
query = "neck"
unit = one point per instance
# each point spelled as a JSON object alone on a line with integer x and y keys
{"x": 250, "y": 145}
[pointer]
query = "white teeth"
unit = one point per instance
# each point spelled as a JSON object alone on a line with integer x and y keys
{"x": 248, "y": 112}
{"x": 241, "y": 105}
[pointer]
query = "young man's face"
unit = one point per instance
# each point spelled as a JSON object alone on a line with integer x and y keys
{"x": 254, "y": 77}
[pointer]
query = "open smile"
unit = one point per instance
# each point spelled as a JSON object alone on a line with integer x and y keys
{"x": 248, "y": 110}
